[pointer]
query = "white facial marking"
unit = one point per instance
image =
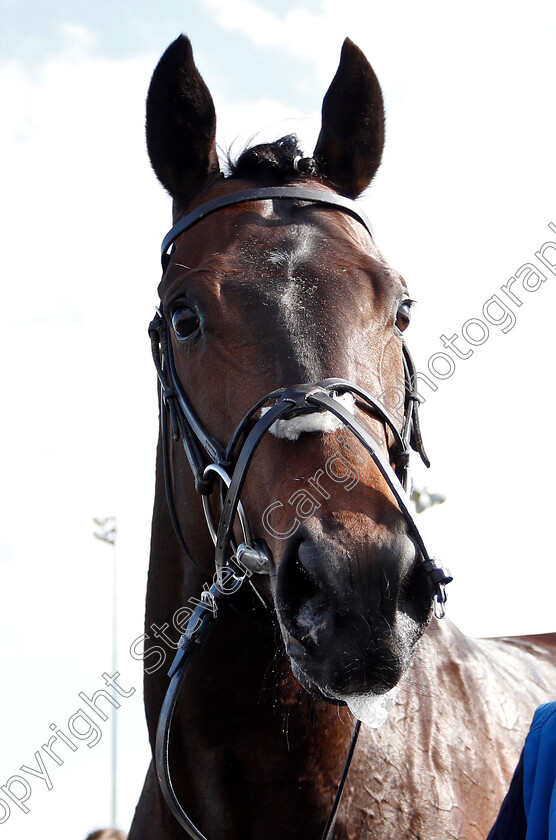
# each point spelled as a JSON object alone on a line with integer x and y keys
{"x": 298, "y": 253}
{"x": 322, "y": 421}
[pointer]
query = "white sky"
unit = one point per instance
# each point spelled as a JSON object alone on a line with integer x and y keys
{"x": 462, "y": 200}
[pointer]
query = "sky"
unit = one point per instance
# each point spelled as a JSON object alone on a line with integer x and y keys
{"x": 461, "y": 204}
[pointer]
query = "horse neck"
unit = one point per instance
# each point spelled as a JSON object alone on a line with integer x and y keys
{"x": 239, "y": 691}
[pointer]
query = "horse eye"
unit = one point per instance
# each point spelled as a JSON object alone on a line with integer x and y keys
{"x": 403, "y": 315}
{"x": 184, "y": 321}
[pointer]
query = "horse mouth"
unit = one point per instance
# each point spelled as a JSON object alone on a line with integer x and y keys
{"x": 312, "y": 687}
{"x": 371, "y": 708}
{"x": 336, "y": 676}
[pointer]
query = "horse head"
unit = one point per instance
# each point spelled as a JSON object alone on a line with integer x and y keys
{"x": 259, "y": 296}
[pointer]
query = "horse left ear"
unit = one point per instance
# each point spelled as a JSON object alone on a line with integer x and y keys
{"x": 351, "y": 140}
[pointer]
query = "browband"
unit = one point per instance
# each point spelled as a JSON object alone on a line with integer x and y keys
{"x": 330, "y": 199}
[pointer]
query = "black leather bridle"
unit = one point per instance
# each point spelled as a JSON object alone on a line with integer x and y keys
{"x": 236, "y": 564}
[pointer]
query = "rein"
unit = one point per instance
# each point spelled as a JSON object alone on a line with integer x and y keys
{"x": 236, "y": 564}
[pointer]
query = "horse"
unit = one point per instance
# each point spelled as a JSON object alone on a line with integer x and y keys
{"x": 272, "y": 278}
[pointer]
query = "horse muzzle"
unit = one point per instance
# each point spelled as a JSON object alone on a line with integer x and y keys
{"x": 350, "y": 614}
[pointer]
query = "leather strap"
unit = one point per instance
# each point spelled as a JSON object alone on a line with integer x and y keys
{"x": 329, "y": 199}
{"x": 297, "y": 400}
{"x": 199, "y": 627}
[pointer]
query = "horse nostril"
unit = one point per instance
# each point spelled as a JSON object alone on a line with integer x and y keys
{"x": 297, "y": 583}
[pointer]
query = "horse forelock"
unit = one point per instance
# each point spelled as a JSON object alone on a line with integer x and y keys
{"x": 272, "y": 164}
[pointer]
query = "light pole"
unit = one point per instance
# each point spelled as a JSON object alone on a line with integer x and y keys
{"x": 107, "y": 532}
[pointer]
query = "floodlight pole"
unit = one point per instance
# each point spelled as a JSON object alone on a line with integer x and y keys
{"x": 108, "y": 530}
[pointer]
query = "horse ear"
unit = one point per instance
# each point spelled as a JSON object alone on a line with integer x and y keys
{"x": 181, "y": 123}
{"x": 351, "y": 140}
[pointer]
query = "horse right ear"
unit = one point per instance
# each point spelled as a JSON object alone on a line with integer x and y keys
{"x": 181, "y": 124}
{"x": 351, "y": 140}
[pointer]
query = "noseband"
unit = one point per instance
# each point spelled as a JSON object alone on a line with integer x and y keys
{"x": 209, "y": 461}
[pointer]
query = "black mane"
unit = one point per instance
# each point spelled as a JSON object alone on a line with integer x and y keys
{"x": 272, "y": 164}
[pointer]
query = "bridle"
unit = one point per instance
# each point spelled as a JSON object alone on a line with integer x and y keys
{"x": 211, "y": 462}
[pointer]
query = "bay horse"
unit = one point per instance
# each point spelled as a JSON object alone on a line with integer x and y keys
{"x": 272, "y": 278}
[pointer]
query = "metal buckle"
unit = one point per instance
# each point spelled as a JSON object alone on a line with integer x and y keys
{"x": 250, "y": 557}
